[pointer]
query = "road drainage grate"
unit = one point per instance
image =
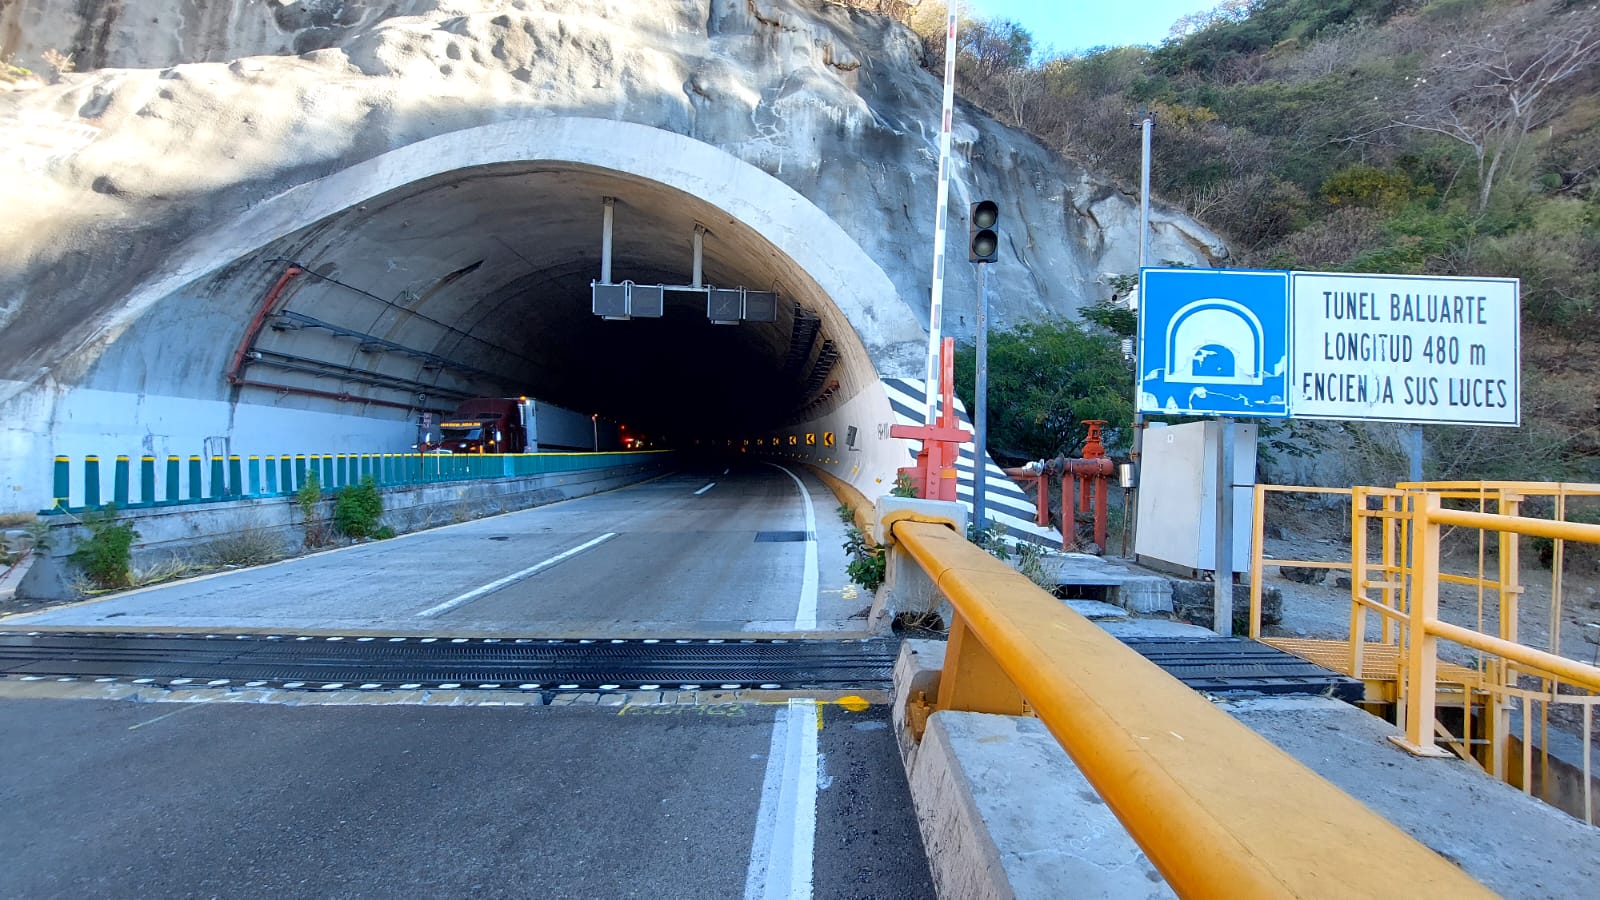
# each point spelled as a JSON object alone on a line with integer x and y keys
{"x": 285, "y": 661}
{"x": 783, "y": 537}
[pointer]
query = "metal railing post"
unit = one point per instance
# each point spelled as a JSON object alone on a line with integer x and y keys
{"x": 174, "y": 478}
{"x": 1422, "y": 645}
{"x": 973, "y": 680}
{"x": 1257, "y": 552}
{"x": 1358, "y": 580}
{"x": 119, "y": 482}
{"x": 91, "y": 482}
{"x": 62, "y": 488}
{"x": 147, "y": 481}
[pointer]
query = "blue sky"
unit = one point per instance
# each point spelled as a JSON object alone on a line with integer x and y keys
{"x": 1080, "y": 24}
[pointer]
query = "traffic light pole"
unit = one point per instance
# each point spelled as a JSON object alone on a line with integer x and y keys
{"x": 980, "y": 415}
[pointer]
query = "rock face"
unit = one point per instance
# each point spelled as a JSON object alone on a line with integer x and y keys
{"x": 160, "y": 137}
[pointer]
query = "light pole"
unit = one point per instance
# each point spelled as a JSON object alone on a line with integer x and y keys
{"x": 1146, "y": 123}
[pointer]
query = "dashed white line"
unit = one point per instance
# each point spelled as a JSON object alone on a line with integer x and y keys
{"x": 786, "y": 823}
{"x": 706, "y": 488}
{"x": 805, "y": 617}
{"x": 499, "y": 583}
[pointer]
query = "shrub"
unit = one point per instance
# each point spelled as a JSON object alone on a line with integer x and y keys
{"x": 250, "y": 547}
{"x": 868, "y": 565}
{"x": 357, "y": 509}
{"x": 105, "y": 556}
{"x": 307, "y": 498}
{"x": 1363, "y": 185}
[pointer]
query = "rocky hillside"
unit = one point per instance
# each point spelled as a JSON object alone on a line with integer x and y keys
{"x": 149, "y": 122}
{"x": 1444, "y": 137}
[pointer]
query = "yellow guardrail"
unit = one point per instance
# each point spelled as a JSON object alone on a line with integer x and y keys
{"x": 1426, "y": 628}
{"x": 1219, "y": 810}
{"x": 1499, "y": 675}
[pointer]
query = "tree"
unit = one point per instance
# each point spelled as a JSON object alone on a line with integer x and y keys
{"x": 1490, "y": 90}
{"x": 996, "y": 46}
{"x": 1023, "y": 87}
{"x": 1045, "y": 379}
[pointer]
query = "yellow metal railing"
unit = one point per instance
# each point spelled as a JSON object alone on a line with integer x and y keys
{"x": 1204, "y": 796}
{"x": 1402, "y": 585}
{"x": 1506, "y": 656}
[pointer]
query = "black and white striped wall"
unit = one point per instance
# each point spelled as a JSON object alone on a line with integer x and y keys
{"x": 1005, "y": 502}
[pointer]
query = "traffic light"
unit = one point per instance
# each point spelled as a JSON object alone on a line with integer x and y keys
{"x": 983, "y": 232}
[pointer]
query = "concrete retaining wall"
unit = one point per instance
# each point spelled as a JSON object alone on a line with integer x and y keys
{"x": 200, "y": 532}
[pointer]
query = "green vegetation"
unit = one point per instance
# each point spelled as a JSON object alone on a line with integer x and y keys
{"x": 105, "y": 556}
{"x": 357, "y": 509}
{"x": 10, "y": 74}
{"x": 309, "y": 499}
{"x": 1029, "y": 556}
{"x": 1045, "y": 379}
{"x": 868, "y": 563}
{"x": 1439, "y": 137}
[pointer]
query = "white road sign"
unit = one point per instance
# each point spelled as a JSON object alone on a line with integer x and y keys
{"x": 1405, "y": 348}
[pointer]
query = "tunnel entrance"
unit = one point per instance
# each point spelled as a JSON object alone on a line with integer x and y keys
{"x": 341, "y": 314}
{"x": 478, "y": 283}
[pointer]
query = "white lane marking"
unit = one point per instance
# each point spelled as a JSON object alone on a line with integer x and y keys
{"x": 706, "y": 488}
{"x": 191, "y": 705}
{"x": 786, "y": 824}
{"x": 499, "y": 583}
{"x": 726, "y": 471}
{"x": 805, "y": 617}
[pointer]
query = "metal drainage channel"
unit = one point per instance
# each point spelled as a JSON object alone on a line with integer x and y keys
{"x": 1221, "y": 665}
{"x": 305, "y": 662}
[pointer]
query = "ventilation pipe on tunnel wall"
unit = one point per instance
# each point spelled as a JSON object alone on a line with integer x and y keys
{"x": 699, "y": 256}
{"x": 605, "y": 240}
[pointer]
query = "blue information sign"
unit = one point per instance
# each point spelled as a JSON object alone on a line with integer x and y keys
{"x": 1214, "y": 342}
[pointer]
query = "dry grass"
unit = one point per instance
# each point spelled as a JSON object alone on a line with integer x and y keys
{"x": 251, "y": 547}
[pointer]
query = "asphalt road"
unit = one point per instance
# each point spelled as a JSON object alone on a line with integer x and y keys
{"x": 120, "y": 799}
{"x": 711, "y": 554}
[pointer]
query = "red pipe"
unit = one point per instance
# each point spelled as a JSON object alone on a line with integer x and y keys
{"x": 237, "y": 365}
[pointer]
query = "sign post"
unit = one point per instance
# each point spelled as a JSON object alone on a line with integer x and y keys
{"x": 1222, "y": 575}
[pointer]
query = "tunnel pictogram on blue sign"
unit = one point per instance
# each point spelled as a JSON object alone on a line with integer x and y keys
{"x": 1214, "y": 342}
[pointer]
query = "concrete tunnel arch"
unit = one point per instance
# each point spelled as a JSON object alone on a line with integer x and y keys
{"x": 828, "y": 273}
